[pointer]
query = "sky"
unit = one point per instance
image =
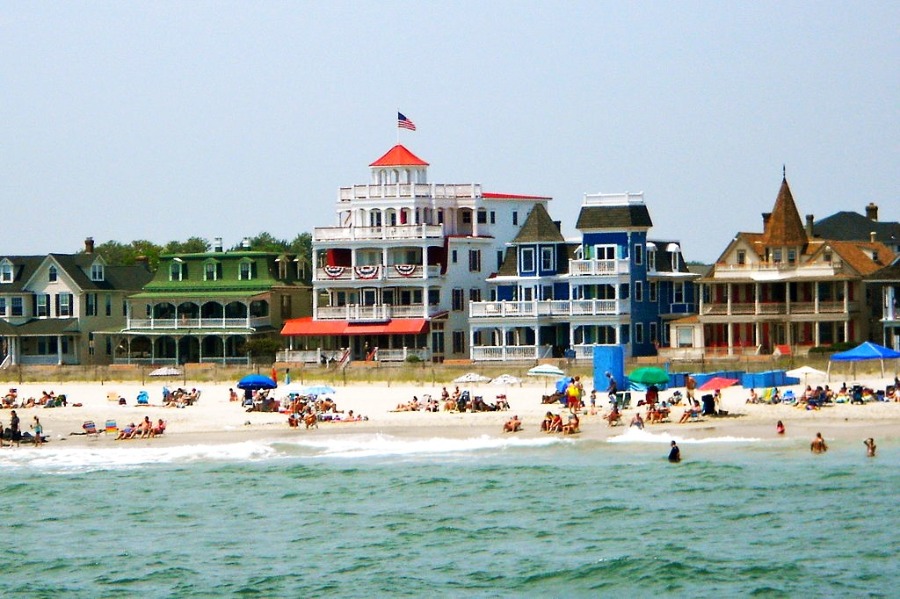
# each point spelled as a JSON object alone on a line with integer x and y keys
{"x": 167, "y": 120}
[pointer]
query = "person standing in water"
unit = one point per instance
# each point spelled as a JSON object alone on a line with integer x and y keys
{"x": 674, "y": 453}
{"x": 779, "y": 428}
{"x": 870, "y": 447}
{"x": 818, "y": 444}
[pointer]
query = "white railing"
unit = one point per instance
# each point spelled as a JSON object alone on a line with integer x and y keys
{"x": 376, "y": 313}
{"x": 771, "y": 270}
{"x": 375, "y": 272}
{"x": 407, "y": 271}
{"x": 594, "y": 268}
{"x": 778, "y": 308}
{"x": 197, "y": 323}
{"x": 564, "y": 308}
{"x": 401, "y": 355}
{"x": 377, "y": 191}
{"x": 377, "y": 233}
{"x": 510, "y": 352}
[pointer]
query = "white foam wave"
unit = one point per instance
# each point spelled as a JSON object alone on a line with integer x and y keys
{"x": 636, "y": 435}
{"x": 360, "y": 446}
{"x": 87, "y": 458}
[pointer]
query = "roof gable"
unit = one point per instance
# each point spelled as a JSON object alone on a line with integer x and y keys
{"x": 784, "y": 227}
{"x": 538, "y": 227}
{"x": 399, "y": 156}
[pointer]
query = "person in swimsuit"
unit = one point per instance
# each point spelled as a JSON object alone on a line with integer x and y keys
{"x": 870, "y": 447}
{"x": 674, "y": 453}
{"x": 818, "y": 444}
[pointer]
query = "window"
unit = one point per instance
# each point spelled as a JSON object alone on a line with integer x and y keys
{"x": 175, "y": 271}
{"x": 474, "y": 260}
{"x": 458, "y": 297}
{"x": 527, "y": 294}
{"x": 741, "y": 257}
{"x": 467, "y": 217}
{"x": 453, "y": 257}
{"x": 90, "y": 307}
{"x": 474, "y": 294}
{"x": 97, "y": 272}
{"x": 638, "y": 253}
{"x": 651, "y": 259}
{"x": 42, "y": 305}
{"x": 17, "y": 307}
{"x": 6, "y": 272}
{"x": 546, "y": 259}
{"x": 482, "y": 217}
{"x": 684, "y": 336}
{"x": 623, "y": 291}
{"x": 515, "y": 217}
{"x": 605, "y": 252}
{"x": 108, "y": 304}
{"x": 678, "y": 293}
{"x": 653, "y": 337}
{"x": 2, "y": 306}
{"x": 624, "y": 333}
{"x": 776, "y": 256}
{"x": 499, "y": 259}
{"x": 211, "y": 271}
{"x": 792, "y": 255}
{"x": 827, "y": 256}
{"x": 52, "y": 274}
{"x": 245, "y": 270}
{"x": 459, "y": 342}
{"x": 527, "y": 257}
{"x": 434, "y": 297}
{"x": 638, "y": 291}
{"x": 652, "y": 290}
{"x": 639, "y": 333}
{"x": 493, "y": 217}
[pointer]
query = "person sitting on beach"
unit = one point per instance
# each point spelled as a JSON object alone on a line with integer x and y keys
{"x": 818, "y": 444}
{"x": 127, "y": 432}
{"x": 513, "y": 425}
{"x": 145, "y": 428}
{"x": 572, "y": 426}
{"x": 45, "y": 397}
{"x": 890, "y": 394}
{"x": 870, "y": 447}
{"x": 9, "y": 400}
{"x": 692, "y": 411}
{"x": 232, "y": 394}
{"x": 614, "y": 417}
{"x": 546, "y": 422}
{"x": 637, "y": 421}
{"x": 445, "y": 395}
{"x": 556, "y": 425}
{"x": 159, "y": 429}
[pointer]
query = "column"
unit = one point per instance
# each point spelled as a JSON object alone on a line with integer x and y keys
{"x": 816, "y": 303}
{"x": 59, "y": 350}
{"x": 474, "y": 222}
{"x": 730, "y": 329}
{"x": 728, "y": 291}
{"x": 846, "y": 300}
{"x": 471, "y": 343}
{"x": 756, "y": 301}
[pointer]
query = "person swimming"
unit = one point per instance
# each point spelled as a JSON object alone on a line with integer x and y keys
{"x": 870, "y": 447}
{"x": 674, "y": 453}
{"x": 818, "y": 444}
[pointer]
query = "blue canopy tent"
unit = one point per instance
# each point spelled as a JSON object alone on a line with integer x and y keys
{"x": 865, "y": 351}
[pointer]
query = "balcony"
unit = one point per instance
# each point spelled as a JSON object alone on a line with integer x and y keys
{"x": 770, "y": 271}
{"x": 779, "y": 308}
{"x": 389, "y": 233}
{"x": 376, "y": 272}
{"x": 197, "y": 324}
{"x": 511, "y": 352}
{"x": 374, "y": 313}
{"x": 408, "y": 191}
{"x": 598, "y": 268}
{"x": 561, "y": 308}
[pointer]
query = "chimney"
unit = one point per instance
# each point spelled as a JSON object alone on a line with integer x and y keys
{"x": 558, "y": 224}
{"x": 809, "y": 225}
{"x": 766, "y": 217}
{"x": 89, "y": 245}
{"x": 872, "y": 236}
{"x": 872, "y": 212}
{"x": 245, "y": 243}
{"x": 217, "y": 244}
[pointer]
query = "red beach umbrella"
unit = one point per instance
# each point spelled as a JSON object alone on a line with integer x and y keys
{"x": 717, "y": 382}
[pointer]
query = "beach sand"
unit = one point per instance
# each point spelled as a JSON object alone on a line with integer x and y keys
{"x": 214, "y": 419}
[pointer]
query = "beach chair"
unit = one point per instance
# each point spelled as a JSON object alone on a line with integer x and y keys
{"x": 90, "y": 429}
{"x": 111, "y": 427}
{"x": 767, "y": 395}
{"x": 623, "y": 400}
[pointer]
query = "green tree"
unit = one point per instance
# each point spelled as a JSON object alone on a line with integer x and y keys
{"x": 194, "y": 245}
{"x": 266, "y": 242}
{"x": 301, "y": 247}
{"x": 115, "y": 253}
{"x": 263, "y": 349}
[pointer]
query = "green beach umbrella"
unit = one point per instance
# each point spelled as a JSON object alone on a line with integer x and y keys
{"x": 649, "y": 375}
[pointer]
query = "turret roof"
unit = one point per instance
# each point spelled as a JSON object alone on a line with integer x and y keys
{"x": 399, "y": 156}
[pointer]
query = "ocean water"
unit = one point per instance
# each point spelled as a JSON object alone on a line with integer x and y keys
{"x": 372, "y": 516}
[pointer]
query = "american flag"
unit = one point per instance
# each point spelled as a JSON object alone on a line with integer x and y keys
{"x": 405, "y": 123}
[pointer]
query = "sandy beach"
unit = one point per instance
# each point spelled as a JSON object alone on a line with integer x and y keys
{"x": 215, "y": 419}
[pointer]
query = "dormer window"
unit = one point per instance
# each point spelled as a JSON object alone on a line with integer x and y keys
{"x": 52, "y": 274}
{"x": 245, "y": 270}
{"x": 651, "y": 259}
{"x": 97, "y": 272}
{"x": 827, "y": 257}
{"x": 176, "y": 271}
{"x": 211, "y": 270}
{"x": 776, "y": 256}
{"x": 792, "y": 255}
{"x": 6, "y": 271}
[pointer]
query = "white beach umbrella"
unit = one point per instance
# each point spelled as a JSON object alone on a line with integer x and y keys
{"x": 472, "y": 377}
{"x": 166, "y": 371}
{"x": 807, "y": 372}
{"x": 548, "y": 370}
{"x": 506, "y": 380}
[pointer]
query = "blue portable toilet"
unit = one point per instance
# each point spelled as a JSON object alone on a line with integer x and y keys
{"x": 609, "y": 358}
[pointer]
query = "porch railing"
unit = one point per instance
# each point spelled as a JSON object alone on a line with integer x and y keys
{"x": 197, "y": 323}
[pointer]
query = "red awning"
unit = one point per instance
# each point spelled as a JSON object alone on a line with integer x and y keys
{"x": 307, "y": 327}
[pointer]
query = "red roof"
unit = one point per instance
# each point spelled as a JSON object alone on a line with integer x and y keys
{"x": 399, "y": 156}
{"x": 512, "y": 196}
{"x": 307, "y": 327}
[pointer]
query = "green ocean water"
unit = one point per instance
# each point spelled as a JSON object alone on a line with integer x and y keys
{"x": 364, "y": 516}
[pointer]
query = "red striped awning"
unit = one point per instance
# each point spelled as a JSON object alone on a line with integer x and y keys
{"x": 307, "y": 327}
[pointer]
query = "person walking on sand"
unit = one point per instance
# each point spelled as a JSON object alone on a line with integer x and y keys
{"x": 15, "y": 435}
{"x": 38, "y": 431}
{"x": 690, "y": 383}
{"x": 818, "y": 444}
{"x": 674, "y": 453}
{"x": 870, "y": 447}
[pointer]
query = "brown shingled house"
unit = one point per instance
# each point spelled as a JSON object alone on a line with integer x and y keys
{"x": 784, "y": 287}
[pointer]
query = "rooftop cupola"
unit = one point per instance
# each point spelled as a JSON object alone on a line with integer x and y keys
{"x": 399, "y": 165}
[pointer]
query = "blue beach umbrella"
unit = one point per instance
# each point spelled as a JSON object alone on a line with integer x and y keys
{"x": 256, "y": 381}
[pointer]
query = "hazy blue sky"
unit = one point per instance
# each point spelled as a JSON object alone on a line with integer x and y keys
{"x": 164, "y": 120}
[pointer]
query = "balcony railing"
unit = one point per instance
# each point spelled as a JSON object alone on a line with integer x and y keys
{"x": 374, "y": 313}
{"x": 564, "y": 308}
{"x": 197, "y": 323}
{"x": 771, "y": 270}
{"x": 510, "y": 352}
{"x": 376, "y": 272}
{"x": 409, "y": 190}
{"x": 778, "y": 308}
{"x": 595, "y": 268}
{"x": 378, "y": 233}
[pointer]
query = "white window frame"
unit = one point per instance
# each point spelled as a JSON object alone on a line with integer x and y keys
{"x": 42, "y": 305}
{"x": 546, "y": 259}
{"x": 638, "y": 291}
{"x": 638, "y": 254}
{"x": 97, "y": 272}
{"x": 526, "y": 255}
{"x": 249, "y": 273}
{"x": 52, "y": 274}
{"x": 6, "y": 272}
{"x": 65, "y": 304}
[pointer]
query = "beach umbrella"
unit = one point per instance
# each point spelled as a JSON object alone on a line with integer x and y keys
{"x": 649, "y": 375}
{"x": 166, "y": 371}
{"x": 716, "y": 383}
{"x": 472, "y": 377}
{"x": 806, "y": 372}
{"x": 256, "y": 381}
{"x": 506, "y": 380}
{"x": 545, "y": 370}
{"x": 319, "y": 390}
